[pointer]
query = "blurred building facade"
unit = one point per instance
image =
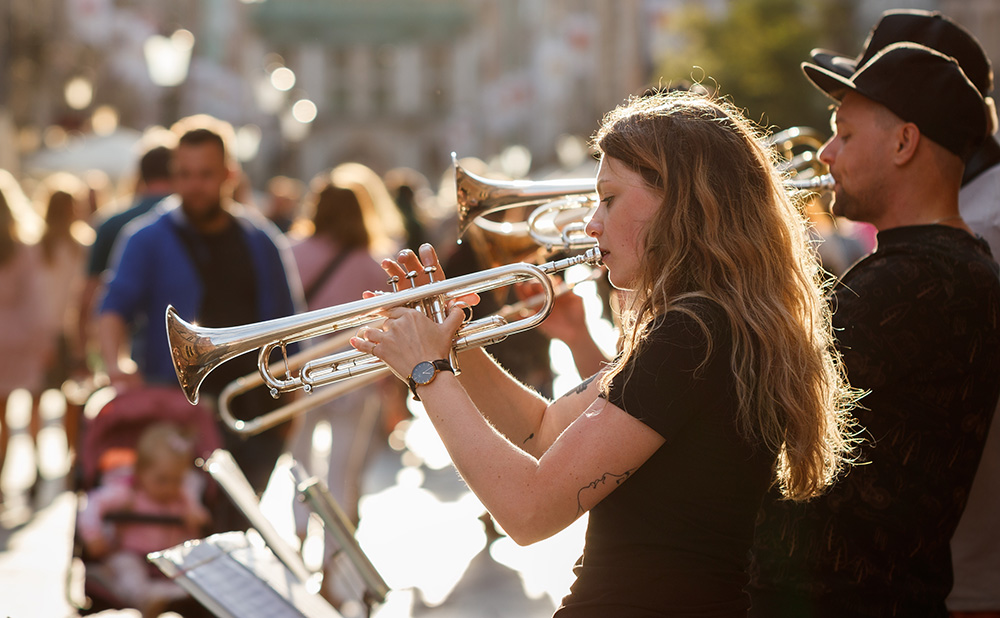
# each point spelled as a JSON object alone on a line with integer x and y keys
{"x": 313, "y": 83}
{"x": 385, "y": 82}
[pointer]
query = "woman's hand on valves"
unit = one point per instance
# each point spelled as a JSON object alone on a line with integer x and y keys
{"x": 407, "y": 336}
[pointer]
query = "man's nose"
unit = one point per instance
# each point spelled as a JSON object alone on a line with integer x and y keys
{"x": 827, "y": 152}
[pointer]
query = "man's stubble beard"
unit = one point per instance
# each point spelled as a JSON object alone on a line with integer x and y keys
{"x": 201, "y": 216}
{"x": 857, "y": 206}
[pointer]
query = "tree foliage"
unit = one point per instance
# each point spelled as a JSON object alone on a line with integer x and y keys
{"x": 753, "y": 54}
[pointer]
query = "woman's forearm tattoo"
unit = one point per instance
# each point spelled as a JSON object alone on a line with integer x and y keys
{"x": 607, "y": 477}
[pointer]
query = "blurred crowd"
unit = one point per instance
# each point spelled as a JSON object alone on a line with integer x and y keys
{"x": 81, "y": 310}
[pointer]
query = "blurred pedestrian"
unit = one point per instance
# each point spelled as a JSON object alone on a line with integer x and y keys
{"x": 97, "y": 196}
{"x": 218, "y": 264}
{"x": 334, "y": 257}
{"x": 22, "y": 309}
{"x": 385, "y": 217}
{"x": 362, "y": 178}
{"x": 410, "y": 189}
{"x": 153, "y": 185}
{"x": 284, "y": 197}
{"x": 63, "y": 247}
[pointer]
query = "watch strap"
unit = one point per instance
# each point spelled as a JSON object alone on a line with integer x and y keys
{"x": 441, "y": 364}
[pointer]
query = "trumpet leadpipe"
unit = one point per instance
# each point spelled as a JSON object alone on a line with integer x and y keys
{"x": 816, "y": 183}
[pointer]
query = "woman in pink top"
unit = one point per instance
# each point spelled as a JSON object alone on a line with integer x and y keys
{"x": 336, "y": 265}
{"x": 159, "y": 489}
{"x": 22, "y": 301}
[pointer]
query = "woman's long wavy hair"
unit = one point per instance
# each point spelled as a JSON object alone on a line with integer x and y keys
{"x": 729, "y": 232}
{"x": 342, "y": 211}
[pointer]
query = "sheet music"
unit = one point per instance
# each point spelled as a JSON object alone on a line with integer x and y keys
{"x": 233, "y": 577}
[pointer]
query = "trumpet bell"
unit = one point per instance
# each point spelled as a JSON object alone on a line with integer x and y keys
{"x": 478, "y": 197}
{"x": 196, "y": 350}
{"x": 194, "y": 354}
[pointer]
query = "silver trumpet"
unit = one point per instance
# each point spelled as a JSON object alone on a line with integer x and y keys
{"x": 196, "y": 351}
{"x": 301, "y": 405}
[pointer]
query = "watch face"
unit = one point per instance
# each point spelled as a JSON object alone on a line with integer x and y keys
{"x": 424, "y": 372}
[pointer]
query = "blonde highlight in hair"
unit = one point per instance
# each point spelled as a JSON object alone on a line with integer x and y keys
{"x": 728, "y": 232}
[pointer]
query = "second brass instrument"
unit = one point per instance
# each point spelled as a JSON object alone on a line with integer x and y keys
{"x": 562, "y": 208}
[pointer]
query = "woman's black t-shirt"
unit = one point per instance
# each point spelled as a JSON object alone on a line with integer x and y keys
{"x": 674, "y": 539}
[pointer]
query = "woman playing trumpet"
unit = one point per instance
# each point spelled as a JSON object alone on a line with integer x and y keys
{"x": 726, "y": 382}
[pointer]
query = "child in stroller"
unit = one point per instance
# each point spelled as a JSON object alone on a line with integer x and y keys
{"x": 149, "y": 496}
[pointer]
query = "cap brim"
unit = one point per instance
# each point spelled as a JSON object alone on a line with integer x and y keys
{"x": 832, "y": 61}
{"x": 830, "y": 82}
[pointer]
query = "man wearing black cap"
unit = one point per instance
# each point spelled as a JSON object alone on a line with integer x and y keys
{"x": 978, "y": 200}
{"x": 976, "y": 543}
{"x": 918, "y": 325}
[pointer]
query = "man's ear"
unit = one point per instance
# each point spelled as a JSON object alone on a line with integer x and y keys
{"x": 907, "y": 138}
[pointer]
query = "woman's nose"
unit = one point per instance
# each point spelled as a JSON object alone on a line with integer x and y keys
{"x": 596, "y": 225}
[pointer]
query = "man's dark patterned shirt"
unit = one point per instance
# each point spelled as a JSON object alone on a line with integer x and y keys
{"x": 918, "y": 325}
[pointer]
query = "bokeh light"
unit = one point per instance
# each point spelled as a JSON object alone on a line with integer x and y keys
{"x": 304, "y": 111}
{"x": 79, "y": 93}
{"x": 283, "y": 79}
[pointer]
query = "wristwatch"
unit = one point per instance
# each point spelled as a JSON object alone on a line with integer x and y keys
{"x": 425, "y": 372}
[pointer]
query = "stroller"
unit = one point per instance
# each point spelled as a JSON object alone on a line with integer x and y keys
{"x": 112, "y": 425}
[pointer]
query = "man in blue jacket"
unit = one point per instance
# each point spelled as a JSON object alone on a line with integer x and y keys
{"x": 218, "y": 264}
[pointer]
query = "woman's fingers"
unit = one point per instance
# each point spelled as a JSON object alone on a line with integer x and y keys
{"x": 456, "y": 316}
{"x": 364, "y": 345}
{"x": 429, "y": 259}
{"x": 371, "y": 334}
{"x": 409, "y": 262}
{"x": 422, "y": 268}
{"x": 393, "y": 269}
